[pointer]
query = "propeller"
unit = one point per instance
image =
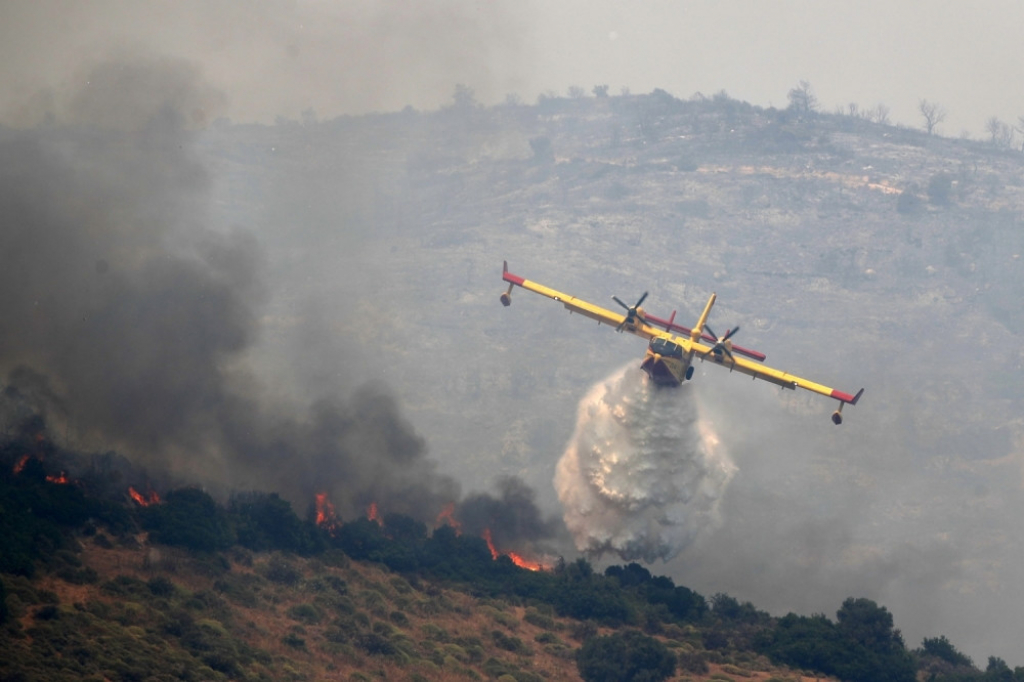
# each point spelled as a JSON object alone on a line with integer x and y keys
{"x": 631, "y": 313}
{"x": 721, "y": 345}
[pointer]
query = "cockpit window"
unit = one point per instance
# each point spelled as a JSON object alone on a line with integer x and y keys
{"x": 665, "y": 347}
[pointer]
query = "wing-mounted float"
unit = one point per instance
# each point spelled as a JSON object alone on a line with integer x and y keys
{"x": 669, "y": 358}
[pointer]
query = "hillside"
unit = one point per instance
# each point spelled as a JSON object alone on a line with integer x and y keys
{"x": 852, "y": 252}
{"x": 90, "y": 592}
{"x": 312, "y": 309}
{"x": 273, "y": 617}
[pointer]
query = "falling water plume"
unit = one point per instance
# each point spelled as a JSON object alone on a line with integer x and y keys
{"x": 644, "y": 473}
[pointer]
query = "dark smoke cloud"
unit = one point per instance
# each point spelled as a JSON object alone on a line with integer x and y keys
{"x": 127, "y": 320}
{"x": 512, "y": 515}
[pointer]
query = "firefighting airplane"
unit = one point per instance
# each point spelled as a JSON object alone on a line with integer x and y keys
{"x": 669, "y": 359}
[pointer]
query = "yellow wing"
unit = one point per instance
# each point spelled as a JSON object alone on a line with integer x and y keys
{"x": 635, "y": 322}
{"x": 775, "y": 376}
{"x": 639, "y": 327}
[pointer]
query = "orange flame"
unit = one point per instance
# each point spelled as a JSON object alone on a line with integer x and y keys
{"x": 144, "y": 500}
{"x": 490, "y": 544}
{"x": 517, "y": 559}
{"x": 371, "y": 513}
{"x": 20, "y": 465}
{"x": 447, "y": 517}
{"x": 59, "y": 480}
{"x": 325, "y": 515}
{"x": 521, "y": 562}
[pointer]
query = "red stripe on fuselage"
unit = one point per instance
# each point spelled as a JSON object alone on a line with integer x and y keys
{"x": 514, "y": 279}
{"x": 845, "y": 397}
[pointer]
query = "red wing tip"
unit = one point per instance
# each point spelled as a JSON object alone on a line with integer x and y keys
{"x": 846, "y": 397}
{"x": 508, "y": 276}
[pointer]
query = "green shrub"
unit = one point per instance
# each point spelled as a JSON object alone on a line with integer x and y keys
{"x": 513, "y": 644}
{"x": 281, "y": 571}
{"x": 625, "y": 657}
{"x": 160, "y": 586}
{"x": 533, "y": 617}
{"x": 434, "y": 633}
{"x": 294, "y": 641}
{"x": 305, "y": 613}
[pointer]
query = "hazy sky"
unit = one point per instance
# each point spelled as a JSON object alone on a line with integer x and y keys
{"x": 280, "y": 57}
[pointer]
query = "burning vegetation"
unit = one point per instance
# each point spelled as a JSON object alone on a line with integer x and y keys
{"x": 149, "y": 498}
{"x": 389, "y": 526}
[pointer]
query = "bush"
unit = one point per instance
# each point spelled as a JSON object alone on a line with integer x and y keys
{"x": 263, "y": 521}
{"x": 305, "y": 613}
{"x": 189, "y": 518}
{"x": 280, "y": 570}
{"x": 628, "y": 657}
{"x": 942, "y": 648}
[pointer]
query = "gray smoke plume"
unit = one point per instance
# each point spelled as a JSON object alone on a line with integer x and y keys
{"x": 642, "y": 476}
{"x": 512, "y": 515}
{"x": 126, "y": 319}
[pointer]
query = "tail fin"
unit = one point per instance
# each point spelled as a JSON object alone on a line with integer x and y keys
{"x": 696, "y": 332}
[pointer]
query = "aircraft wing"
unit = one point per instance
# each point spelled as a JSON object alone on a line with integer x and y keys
{"x": 578, "y": 305}
{"x": 775, "y": 376}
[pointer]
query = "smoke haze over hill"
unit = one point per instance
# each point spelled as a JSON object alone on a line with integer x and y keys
{"x": 208, "y": 297}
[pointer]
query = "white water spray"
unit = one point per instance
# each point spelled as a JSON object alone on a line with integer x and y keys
{"x": 644, "y": 473}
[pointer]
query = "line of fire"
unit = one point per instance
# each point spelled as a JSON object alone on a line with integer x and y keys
{"x": 327, "y": 518}
{"x": 150, "y": 497}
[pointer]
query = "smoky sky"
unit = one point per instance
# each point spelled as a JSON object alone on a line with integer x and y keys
{"x": 281, "y": 57}
{"x": 125, "y": 320}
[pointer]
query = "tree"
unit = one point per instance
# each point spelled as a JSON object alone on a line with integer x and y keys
{"x": 862, "y": 647}
{"x": 189, "y": 518}
{"x": 464, "y": 97}
{"x": 1000, "y": 134}
{"x": 940, "y": 647}
{"x": 933, "y": 113}
{"x": 869, "y": 624}
{"x": 998, "y": 670}
{"x": 600, "y": 91}
{"x": 576, "y": 92}
{"x": 627, "y": 657}
{"x": 541, "y": 147}
{"x": 802, "y": 98}
{"x": 880, "y": 114}
{"x": 264, "y": 521}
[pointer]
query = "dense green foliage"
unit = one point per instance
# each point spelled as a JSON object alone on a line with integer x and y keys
{"x": 189, "y": 518}
{"x": 263, "y": 521}
{"x": 35, "y": 513}
{"x": 942, "y": 648}
{"x": 39, "y": 518}
{"x": 625, "y": 657}
{"x": 862, "y": 647}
